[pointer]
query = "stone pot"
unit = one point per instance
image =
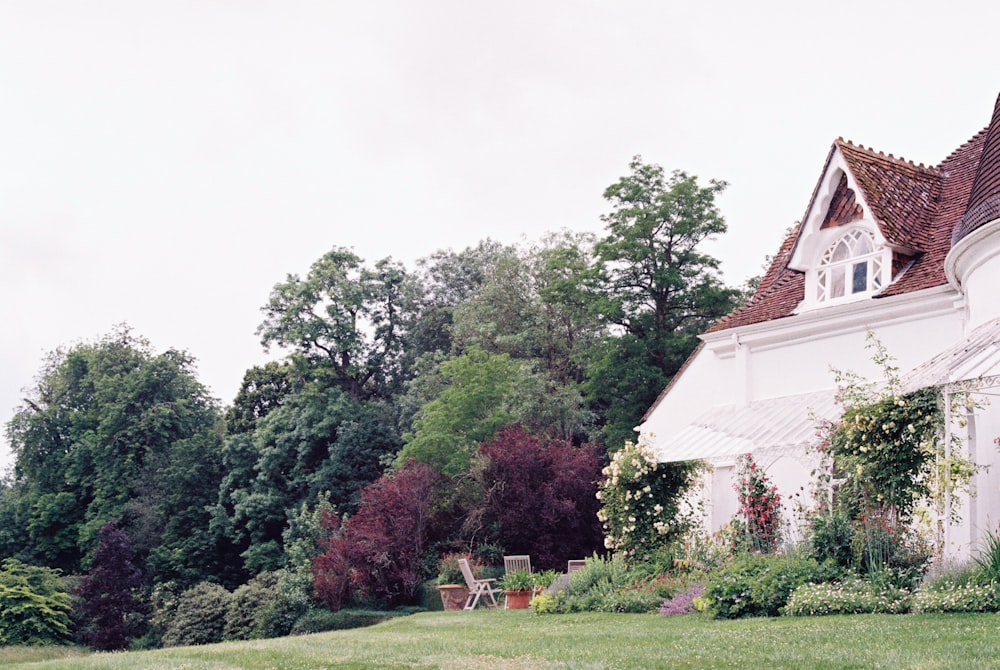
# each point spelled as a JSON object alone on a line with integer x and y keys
{"x": 453, "y": 596}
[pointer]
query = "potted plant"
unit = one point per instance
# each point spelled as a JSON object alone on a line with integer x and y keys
{"x": 518, "y": 588}
{"x": 451, "y": 581}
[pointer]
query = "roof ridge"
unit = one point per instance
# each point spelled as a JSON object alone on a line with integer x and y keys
{"x": 962, "y": 147}
{"x": 894, "y": 160}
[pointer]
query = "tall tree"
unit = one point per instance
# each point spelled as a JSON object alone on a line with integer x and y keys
{"x": 318, "y": 440}
{"x": 444, "y": 280}
{"x": 478, "y": 400}
{"x": 345, "y": 318}
{"x": 655, "y": 288}
{"x": 102, "y": 421}
{"x": 262, "y": 390}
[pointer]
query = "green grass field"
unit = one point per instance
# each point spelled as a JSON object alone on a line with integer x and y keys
{"x": 519, "y": 639}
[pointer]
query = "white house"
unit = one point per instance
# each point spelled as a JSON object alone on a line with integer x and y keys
{"x": 908, "y": 252}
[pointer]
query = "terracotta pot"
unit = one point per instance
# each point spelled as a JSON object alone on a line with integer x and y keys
{"x": 518, "y": 600}
{"x": 453, "y": 596}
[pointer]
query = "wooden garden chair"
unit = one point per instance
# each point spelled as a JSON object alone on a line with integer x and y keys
{"x": 478, "y": 587}
{"x": 514, "y": 564}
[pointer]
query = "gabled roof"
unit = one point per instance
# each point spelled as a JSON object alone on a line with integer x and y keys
{"x": 900, "y": 194}
{"x": 916, "y": 208}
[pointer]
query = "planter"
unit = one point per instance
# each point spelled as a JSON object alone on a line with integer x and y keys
{"x": 518, "y": 600}
{"x": 453, "y": 596}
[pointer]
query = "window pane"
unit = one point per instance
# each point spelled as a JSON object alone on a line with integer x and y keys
{"x": 862, "y": 246}
{"x": 842, "y": 252}
{"x": 837, "y": 281}
{"x": 860, "y": 283}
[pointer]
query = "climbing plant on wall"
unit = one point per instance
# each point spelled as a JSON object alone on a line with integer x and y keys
{"x": 890, "y": 448}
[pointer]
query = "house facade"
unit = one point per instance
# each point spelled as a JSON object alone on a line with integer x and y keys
{"x": 908, "y": 253}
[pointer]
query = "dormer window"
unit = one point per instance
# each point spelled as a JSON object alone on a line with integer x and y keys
{"x": 850, "y": 267}
{"x": 841, "y": 246}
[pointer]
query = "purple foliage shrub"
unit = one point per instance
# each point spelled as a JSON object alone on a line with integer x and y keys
{"x": 108, "y": 610}
{"x": 542, "y": 496}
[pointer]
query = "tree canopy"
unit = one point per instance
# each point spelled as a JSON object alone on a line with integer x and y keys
{"x": 480, "y": 390}
{"x": 653, "y": 287}
{"x": 103, "y": 421}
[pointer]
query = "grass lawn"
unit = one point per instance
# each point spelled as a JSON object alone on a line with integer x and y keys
{"x": 519, "y": 639}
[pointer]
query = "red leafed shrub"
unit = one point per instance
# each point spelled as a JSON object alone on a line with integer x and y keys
{"x": 377, "y": 553}
{"x": 542, "y": 495}
{"x": 330, "y": 569}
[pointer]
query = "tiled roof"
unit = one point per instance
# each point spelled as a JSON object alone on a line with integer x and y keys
{"x": 958, "y": 171}
{"x": 917, "y": 208}
{"x": 899, "y": 193}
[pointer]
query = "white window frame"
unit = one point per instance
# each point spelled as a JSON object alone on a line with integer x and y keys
{"x": 853, "y": 266}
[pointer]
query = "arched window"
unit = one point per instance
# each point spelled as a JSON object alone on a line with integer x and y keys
{"x": 849, "y": 267}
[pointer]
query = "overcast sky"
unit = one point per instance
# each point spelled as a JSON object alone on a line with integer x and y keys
{"x": 164, "y": 164}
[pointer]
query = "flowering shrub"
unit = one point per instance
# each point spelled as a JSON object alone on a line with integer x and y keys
{"x": 849, "y": 597}
{"x": 759, "y": 521}
{"x": 642, "y": 501}
{"x": 964, "y": 598}
{"x": 682, "y": 602}
{"x": 889, "y": 447}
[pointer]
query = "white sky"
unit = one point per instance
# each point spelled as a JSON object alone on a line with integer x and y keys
{"x": 165, "y": 164}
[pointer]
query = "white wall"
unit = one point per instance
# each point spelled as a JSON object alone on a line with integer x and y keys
{"x": 705, "y": 378}
{"x": 981, "y": 290}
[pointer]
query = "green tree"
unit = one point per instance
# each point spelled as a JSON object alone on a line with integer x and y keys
{"x": 102, "y": 422}
{"x": 318, "y": 440}
{"x": 653, "y": 288}
{"x": 34, "y": 605}
{"x": 533, "y": 304}
{"x": 345, "y": 318}
{"x": 478, "y": 400}
{"x": 262, "y": 390}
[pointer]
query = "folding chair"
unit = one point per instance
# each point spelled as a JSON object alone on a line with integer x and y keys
{"x": 477, "y": 587}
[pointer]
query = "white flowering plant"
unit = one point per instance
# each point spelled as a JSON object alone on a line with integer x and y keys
{"x": 642, "y": 501}
{"x": 852, "y": 596}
